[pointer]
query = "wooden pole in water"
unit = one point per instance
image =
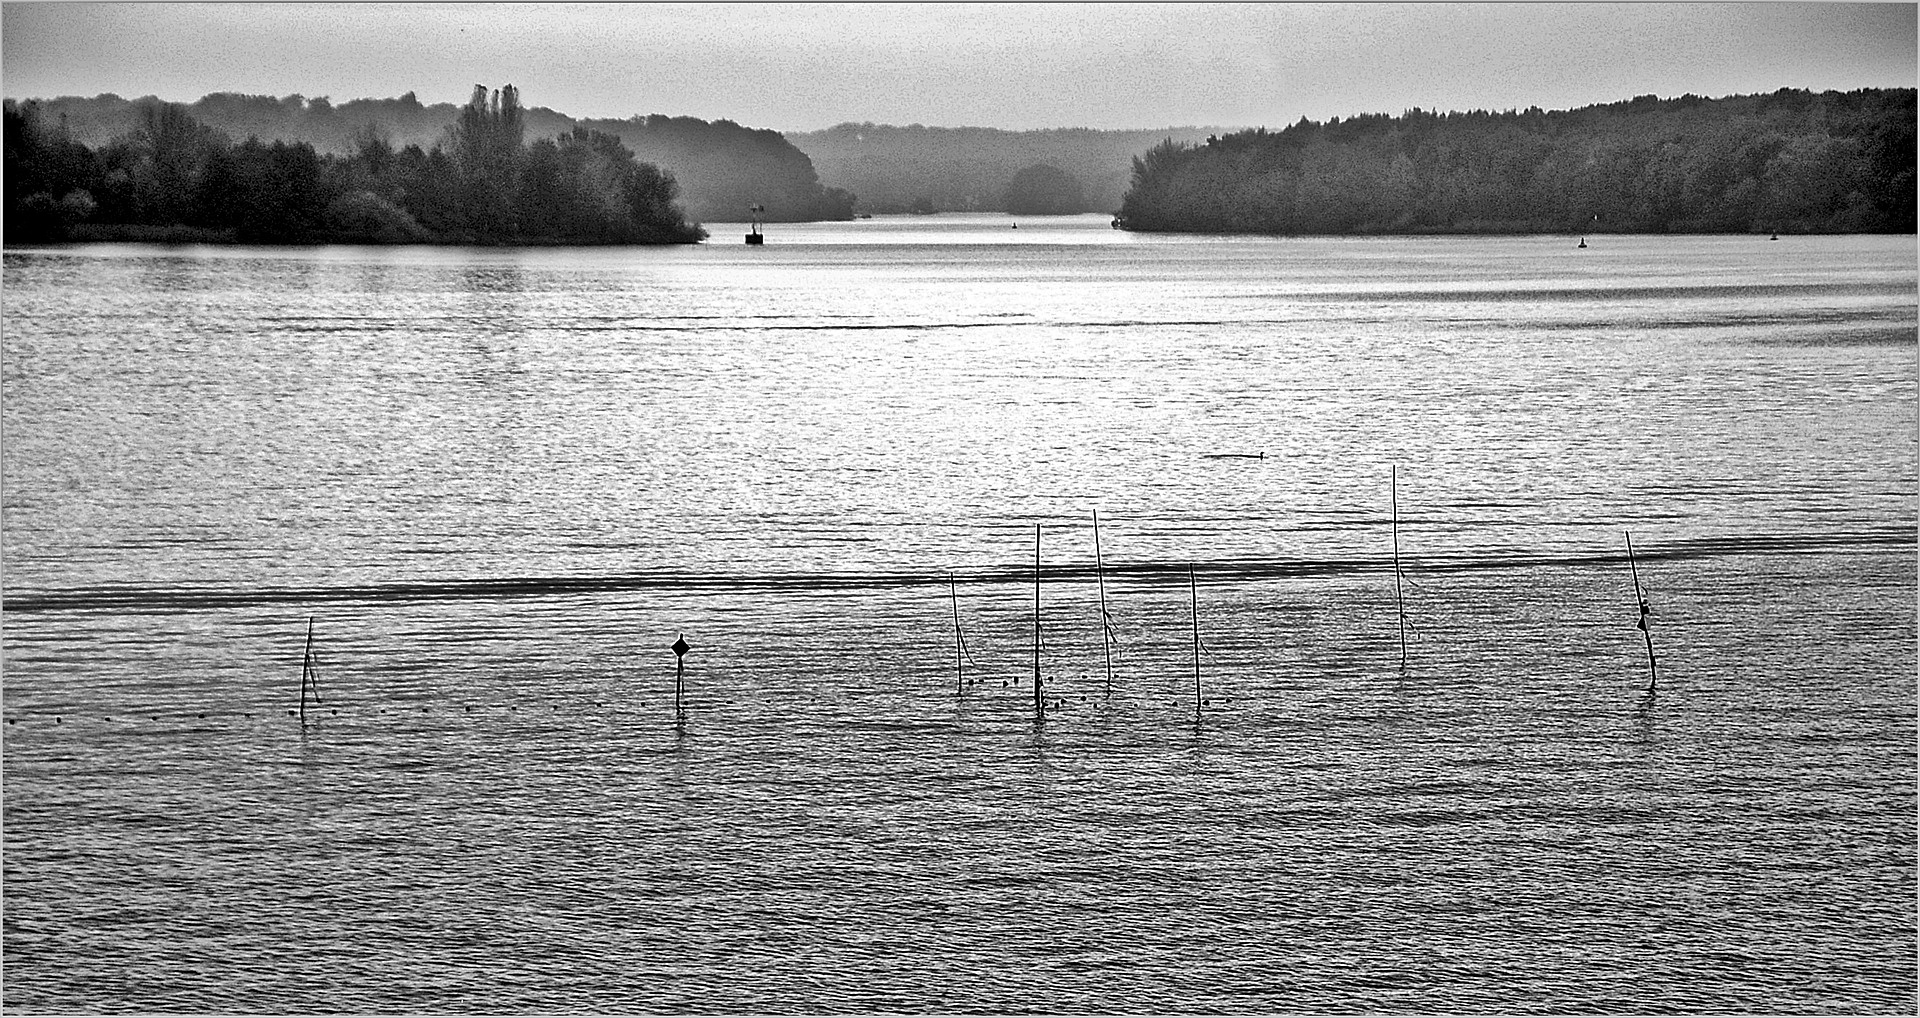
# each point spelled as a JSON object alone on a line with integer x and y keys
{"x": 959, "y": 665}
{"x": 306, "y": 672}
{"x": 1639, "y": 595}
{"x": 1039, "y": 705}
{"x": 1106, "y": 627}
{"x": 1193, "y": 590}
{"x": 1399, "y": 600}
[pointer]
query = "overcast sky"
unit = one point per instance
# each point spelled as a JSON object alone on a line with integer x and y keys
{"x": 808, "y": 66}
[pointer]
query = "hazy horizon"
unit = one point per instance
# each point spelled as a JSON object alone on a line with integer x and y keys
{"x": 1028, "y": 67}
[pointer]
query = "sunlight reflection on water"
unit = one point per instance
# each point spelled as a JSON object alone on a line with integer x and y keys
{"x": 503, "y": 480}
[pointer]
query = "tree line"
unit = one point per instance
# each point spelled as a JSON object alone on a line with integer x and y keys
{"x": 174, "y": 177}
{"x": 1792, "y": 160}
{"x": 722, "y": 167}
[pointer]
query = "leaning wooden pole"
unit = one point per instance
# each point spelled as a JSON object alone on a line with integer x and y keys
{"x": 959, "y": 662}
{"x": 1193, "y": 591}
{"x": 1399, "y": 599}
{"x": 1039, "y": 705}
{"x": 306, "y": 673}
{"x": 1106, "y": 626}
{"x": 1640, "y": 596}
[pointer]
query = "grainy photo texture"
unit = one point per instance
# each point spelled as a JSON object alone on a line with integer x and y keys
{"x": 959, "y": 508}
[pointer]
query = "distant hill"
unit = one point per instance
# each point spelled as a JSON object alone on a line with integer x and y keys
{"x": 1792, "y": 160}
{"x": 953, "y": 169}
{"x": 721, "y": 166}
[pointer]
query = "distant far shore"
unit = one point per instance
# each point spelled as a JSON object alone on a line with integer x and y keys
{"x": 178, "y": 236}
{"x": 139, "y": 233}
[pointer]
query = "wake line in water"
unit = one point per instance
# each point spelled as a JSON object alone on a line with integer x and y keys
{"x": 175, "y": 599}
{"x": 1586, "y": 295}
{"x": 749, "y": 325}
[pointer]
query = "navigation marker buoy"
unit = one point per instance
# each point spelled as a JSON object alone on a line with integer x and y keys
{"x": 680, "y": 648}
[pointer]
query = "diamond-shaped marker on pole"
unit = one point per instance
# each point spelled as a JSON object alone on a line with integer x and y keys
{"x": 680, "y": 649}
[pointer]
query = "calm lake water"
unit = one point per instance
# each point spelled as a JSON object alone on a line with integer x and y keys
{"x": 501, "y": 482}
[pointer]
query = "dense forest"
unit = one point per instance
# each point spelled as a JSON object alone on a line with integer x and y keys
{"x": 721, "y": 166}
{"x": 970, "y": 169}
{"x": 727, "y": 168}
{"x": 173, "y": 177}
{"x": 1789, "y": 161}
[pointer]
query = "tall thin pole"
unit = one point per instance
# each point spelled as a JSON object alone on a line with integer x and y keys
{"x": 680, "y": 648}
{"x": 1039, "y": 705}
{"x": 306, "y": 673}
{"x": 1399, "y": 600}
{"x": 1639, "y": 595}
{"x": 1193, "y": 590}
{"x": 1106, "y": 627}
{"x": 959, "y": 666}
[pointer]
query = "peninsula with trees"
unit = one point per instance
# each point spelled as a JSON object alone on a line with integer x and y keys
{"x": 389, "y": 171}
{"x": 1792, "y": 160}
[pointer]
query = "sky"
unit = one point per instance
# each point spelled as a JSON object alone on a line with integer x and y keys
{"x": 800, "y": 67}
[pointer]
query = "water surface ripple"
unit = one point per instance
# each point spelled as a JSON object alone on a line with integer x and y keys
{"x": 501, "y": 482}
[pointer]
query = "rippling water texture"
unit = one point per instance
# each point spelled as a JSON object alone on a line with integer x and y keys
{"x": 501, "y": 482}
